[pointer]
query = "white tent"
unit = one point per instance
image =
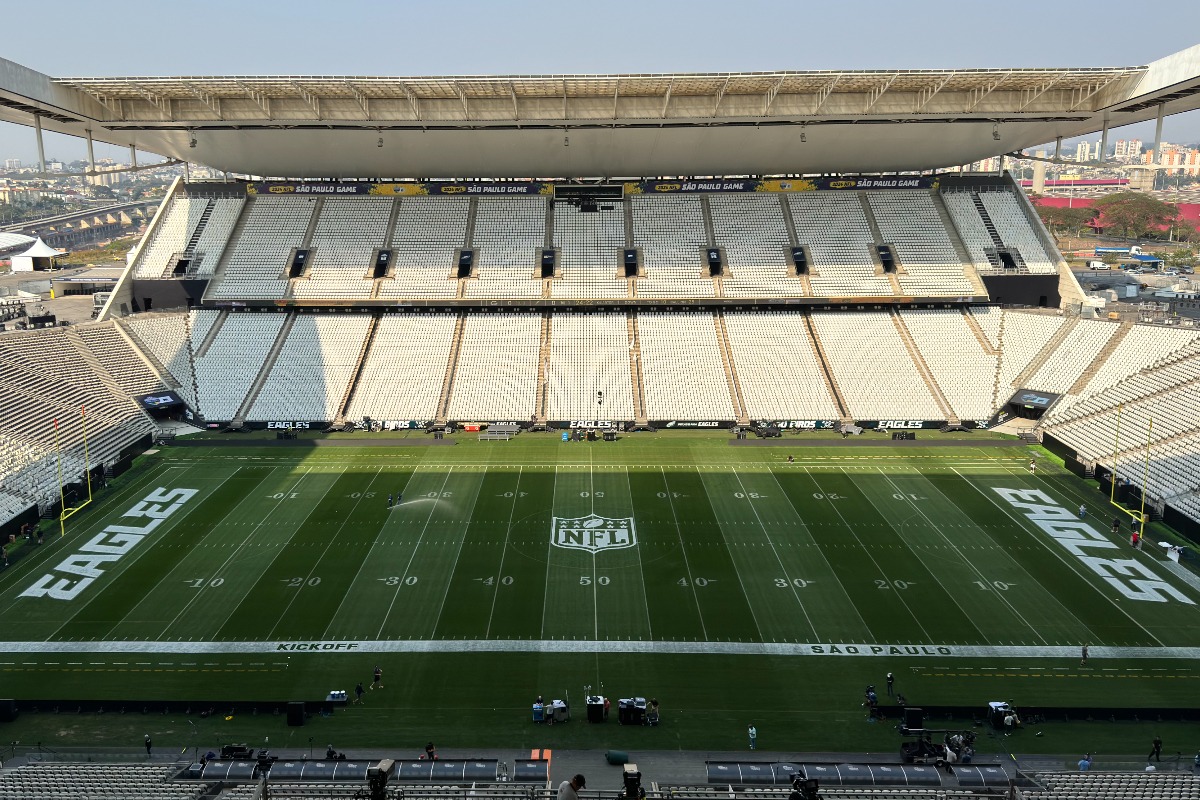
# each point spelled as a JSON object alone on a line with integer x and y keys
{"x": 38, "y": 257}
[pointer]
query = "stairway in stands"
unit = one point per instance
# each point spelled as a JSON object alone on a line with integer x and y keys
{"x": 539, "y": 412}
{"x": 830, "y": 382}
{"x": 995, "y": 235}
{"x": 960, "y": 249}
{"x": 248, "y": 402}
{"x": 923, "y": 369}
{"x": 1045, "y": 353}
{"x": 157, "y": 367}
{"x": 1109, "y": 348}
{"x": 635, "y": 371}
{"x": 352, "y": 384}
{"x": 877, "y": 235}
{"x": 443, "y": 406}
{"x": 735, "y": 388}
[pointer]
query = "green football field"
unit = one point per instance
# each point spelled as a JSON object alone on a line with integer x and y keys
{"x": 723, "y": 580}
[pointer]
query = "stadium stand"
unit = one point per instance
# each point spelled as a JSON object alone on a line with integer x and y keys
{"x": 90, "y": 781}
{"x": 754, "y": 235}
{"x": 508, "y": 237}
{"x": 1077, "y": 349}
{"x": 835, "y": 229}
{"x": 780, "y": 375}
{"x": 963, "y": 370}
{"x": 873, "y": 368}
{"x": 176, "y": 225}
{"x": 428, "y": 232}
{"x": 271, "y": 229}
{"x": 589, "y": 353}
{"x": 670, "y": 232}
{"x": 910, "y": 222}
{"x": 1114, "y": 786}
{"x": 119, "y": 358}
{"x": 1004, "y": 210}
{"x": 348, "y": 231}
{"x": 418, "y": 344}
{"x": 498, "y": 368}
{"x": 310, "y": 374}
{"x": 45, "y": 384}
{"x": 590, "y": 247}
{"x": 682, "y": 370}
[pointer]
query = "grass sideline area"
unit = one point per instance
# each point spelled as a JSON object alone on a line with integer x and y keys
{"x": 720, "y": 580}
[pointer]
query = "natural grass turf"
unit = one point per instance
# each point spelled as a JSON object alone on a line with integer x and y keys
{"x": 734, "y": 545}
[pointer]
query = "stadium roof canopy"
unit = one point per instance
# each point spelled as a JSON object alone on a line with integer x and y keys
{"x": 600, "y": 125}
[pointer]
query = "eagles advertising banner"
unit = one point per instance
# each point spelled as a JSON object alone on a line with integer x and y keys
{"x": 690, "y": 186}
{"x": 691, "y": 424}
{"x": 900, "y": 424}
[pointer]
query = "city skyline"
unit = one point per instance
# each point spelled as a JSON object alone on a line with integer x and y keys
{"x": 357, "y": 37}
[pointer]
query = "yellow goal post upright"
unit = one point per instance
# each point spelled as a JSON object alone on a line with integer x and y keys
{"x": 1140, "y": 514}
{"x": 66, "y": 513}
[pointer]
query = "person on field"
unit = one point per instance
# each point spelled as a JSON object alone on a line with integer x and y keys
{"x": 1033, "y": 466}
{"x": 1155, "y": 749}
{"x": 1116, "y": 526}
{"x": 891, "y": 679}
{"x": 752, "y": 732}
{"x": 389, "y": 501}
{"x": 1082, "y": 511}
{"x": 358, "y": 692}
{"x": 149, "y": 744}
{"x": 1084, "y": 654}
{"x": 1085, "y": 763}
{"x": 377, "y": 683}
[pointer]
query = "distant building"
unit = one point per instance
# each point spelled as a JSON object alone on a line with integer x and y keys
{"x": 12, "y": 164}
{"x": 55, "y": 166}
{"x": 1087, "y": 151}
{"x": 1128, "y": 148}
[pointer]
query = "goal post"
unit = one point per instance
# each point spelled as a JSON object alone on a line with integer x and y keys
{"x": 1140, "y": 514}
{"x": 66, "y": 512}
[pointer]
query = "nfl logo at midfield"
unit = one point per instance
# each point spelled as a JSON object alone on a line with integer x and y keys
{"x": 592, "y": 533}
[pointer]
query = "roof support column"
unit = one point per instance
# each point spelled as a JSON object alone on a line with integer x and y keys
{"x": 1158, "y": 133}
{"x": 1103, "y": 140}
{"x": 133, "y": 156}
{"x": 37, "y": 126}
{"x": 91, "y": 151}
{"x": 1057, "y": 147}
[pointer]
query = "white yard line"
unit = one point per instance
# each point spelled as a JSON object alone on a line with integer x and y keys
{"x": 1043, "y": 540}
{"x": 362, "y": 565}
{"x": 549, "y": 553}
{"x": 237, "y": 551}
{"x": 641, "y": 569}
{"x": 1078, "y": 623}
{"x": 867, "y": 553}
{"x": 820, "y": 551}
{"x": 686, "y": 565}
{"x": 412, "y": 557}
{"x": 933, "y": 573}
{"x": 466, "y": 526}
{"x": 774, "y": 552}
{"x": 504, "y": 552}
{"x": 328, "y": 544}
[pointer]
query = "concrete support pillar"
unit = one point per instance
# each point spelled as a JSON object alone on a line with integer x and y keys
{"x": 37, "y": 126}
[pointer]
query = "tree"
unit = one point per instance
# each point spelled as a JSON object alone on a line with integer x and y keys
{"x": 1180, "y": 257}
{"x": 1135, "y": 214}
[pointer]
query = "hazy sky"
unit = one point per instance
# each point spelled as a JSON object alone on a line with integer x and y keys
{"x": 63, "y": 38}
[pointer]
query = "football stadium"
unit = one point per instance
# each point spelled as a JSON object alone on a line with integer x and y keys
{"x": 752, "y": 448}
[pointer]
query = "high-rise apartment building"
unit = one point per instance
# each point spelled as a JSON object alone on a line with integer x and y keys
{"x": 12, "y": 164}
{"x": 1128, "y": 148}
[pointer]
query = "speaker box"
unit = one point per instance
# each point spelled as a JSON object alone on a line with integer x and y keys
{"x": 8, "y": 710}
{"x": 295, "y": 713}
{"x": 914, "y": 718}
